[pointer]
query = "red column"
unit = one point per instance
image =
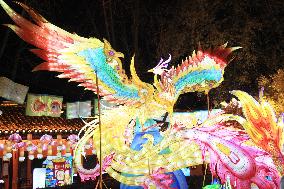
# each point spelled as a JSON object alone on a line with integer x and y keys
{"x": 29, "y": 162}
{"x": 29, "y": 171}
{"x": 5, "y": 170}
{"x": 15, "y": 159}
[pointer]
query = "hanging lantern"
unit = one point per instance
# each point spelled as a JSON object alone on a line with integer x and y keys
{"x": 21, "y": 159}
{"x": 5, "y": 158}
{"x": 31, "y": 156}
{"x": 31, "y": 147}
{"x": 19, "y": 145}
{"x": 21, "y": 154}
{"x": 46, "y": 139}
{"x": 73, "y": 138}
{"x": 16, "y": 138}
{"x": 39, "y": 156}
{"x": 8, "y": 155}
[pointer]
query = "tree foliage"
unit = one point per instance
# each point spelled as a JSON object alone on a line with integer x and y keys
{"x": 255, "y": 26}
{"x": 274, "y": 90}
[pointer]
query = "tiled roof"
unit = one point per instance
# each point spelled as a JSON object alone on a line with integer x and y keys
{"x": 13, "y": 119}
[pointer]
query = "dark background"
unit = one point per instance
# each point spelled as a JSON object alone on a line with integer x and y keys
{"x": 153, "y": 29}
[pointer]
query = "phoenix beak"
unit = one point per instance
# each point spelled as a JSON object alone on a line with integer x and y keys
{"x": 120, "y": 54}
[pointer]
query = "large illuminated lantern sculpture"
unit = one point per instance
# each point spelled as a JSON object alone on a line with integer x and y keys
{"x": 251, "y": 159}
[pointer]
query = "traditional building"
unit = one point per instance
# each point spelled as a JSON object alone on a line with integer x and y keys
{"x": 25, "y": 140}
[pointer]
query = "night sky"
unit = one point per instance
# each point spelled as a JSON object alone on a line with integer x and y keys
{"x": 153, "y": 29}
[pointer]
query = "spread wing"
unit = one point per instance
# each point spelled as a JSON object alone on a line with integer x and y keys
{"x": 77, "y": 58}
{"x": 200, "y": 72}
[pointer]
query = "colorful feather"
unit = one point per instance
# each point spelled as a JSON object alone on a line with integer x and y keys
{"x": 78, "y": 58}
{"x": 263, "y": 127}
{"x": 202, "y": 71}
{"x": 81, "y": 59}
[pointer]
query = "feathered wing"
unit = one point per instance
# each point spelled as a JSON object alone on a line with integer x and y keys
{"x": 200, "y": 72}
{"x": 77, "y": 58}
{"x": 262, "y": 126}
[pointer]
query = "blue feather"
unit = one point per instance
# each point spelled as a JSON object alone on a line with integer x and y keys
{"x": 197, "y": 77}
{"x": 97, "y": 60}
